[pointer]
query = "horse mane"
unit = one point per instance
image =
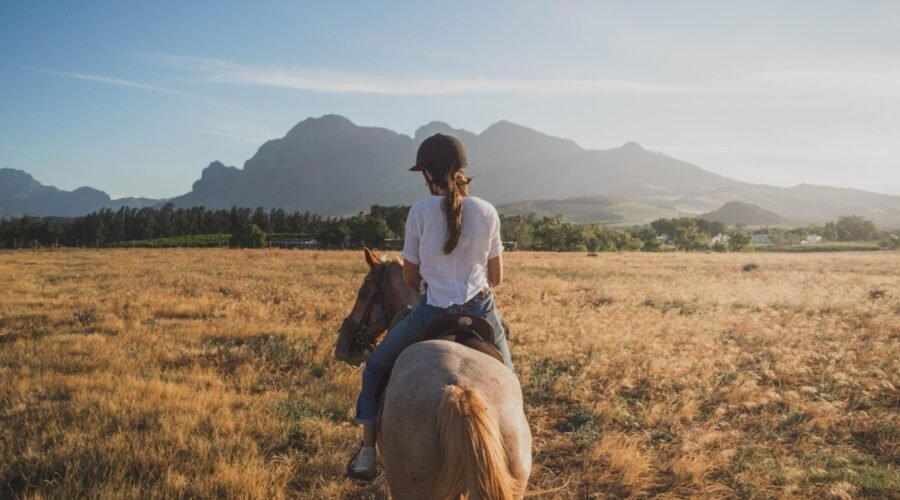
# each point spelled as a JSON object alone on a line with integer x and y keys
{"x": 388, "y": 260}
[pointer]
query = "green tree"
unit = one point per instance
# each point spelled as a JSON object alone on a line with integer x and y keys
{"x": 599, "y": 239}
{"x": 649, "y": 237}
{"x": 664, "y": 227}
{"x": 278, "y": 221}
{"x": 368, "y": 230}
{"x": 249, "y": 236}
{"x": 854, "y": 228}
{"x": 334, "y": 233}
{"x": 557, "y": 235}
{"x": 518, "y": 228}
{"x": 260, "y": 219}
{"x": 394, "y": 216}
{"x": 257, "y": 237}
{"x": 624, "y": 241}
{"x": 738, "y": 240}
{"x": 688, "y": 238}
{"x": 829, "y": 232}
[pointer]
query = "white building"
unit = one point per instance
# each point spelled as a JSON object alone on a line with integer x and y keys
{"x": 761, "y": 239}
{"x": 813, "y": 239}
{"x": 721, "y": 238}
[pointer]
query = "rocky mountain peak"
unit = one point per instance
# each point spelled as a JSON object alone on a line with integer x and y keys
{"x": 632, "y": 146}
{"x": 322, "y": 124}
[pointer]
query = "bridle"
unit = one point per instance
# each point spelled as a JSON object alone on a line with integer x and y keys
{"x": 361, "y": 328}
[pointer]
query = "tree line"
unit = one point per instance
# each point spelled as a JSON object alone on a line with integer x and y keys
{"x": 112, "y": 227}
{"x": 245, "y": 227}
{"x": 684, "y": 234}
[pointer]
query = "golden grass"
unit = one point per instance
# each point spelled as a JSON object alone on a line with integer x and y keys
{"x": 161, "y": 373}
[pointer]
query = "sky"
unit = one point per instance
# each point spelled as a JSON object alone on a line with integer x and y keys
{"x": 136, "y": 98}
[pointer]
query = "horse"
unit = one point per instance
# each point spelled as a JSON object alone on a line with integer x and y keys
{"x": 452, "y": 420}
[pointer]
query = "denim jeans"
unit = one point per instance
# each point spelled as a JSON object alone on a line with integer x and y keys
{"x": 410, "y": 330}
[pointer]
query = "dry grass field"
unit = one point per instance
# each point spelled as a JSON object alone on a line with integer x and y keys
{"x": 209, "y": 373}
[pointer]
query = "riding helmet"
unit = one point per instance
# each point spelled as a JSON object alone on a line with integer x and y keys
{"x": 440, "y": 152}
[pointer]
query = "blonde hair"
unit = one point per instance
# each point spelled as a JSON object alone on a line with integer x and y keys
{"x": 473, "y": 460}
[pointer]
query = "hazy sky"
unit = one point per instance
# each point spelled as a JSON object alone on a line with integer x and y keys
{"x": 135, "y": 98}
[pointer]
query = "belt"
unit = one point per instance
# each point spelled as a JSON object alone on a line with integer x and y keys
{"x": 482, "y": 294}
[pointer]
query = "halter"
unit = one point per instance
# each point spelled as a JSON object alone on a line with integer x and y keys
{"x": 360, "y": 328}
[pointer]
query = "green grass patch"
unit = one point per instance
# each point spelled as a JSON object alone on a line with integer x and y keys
{"x": 189, "y": 241}
{"x": 545, "y": 371}
{"x": 583, "y": 424}
{"x": 831, "y": 246}
{"x": 871, "y": 478}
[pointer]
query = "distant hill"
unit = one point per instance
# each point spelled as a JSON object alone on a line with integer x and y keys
{"x": 331, "y": 166}
{"x": 20, "y": 193}
{"x": 325, "y": 165}
{"x": 738, "y": 212}
{"x": 605, "y": 209}
{"x": 803, "y": 203}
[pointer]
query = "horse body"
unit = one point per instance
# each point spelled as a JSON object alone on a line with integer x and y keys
{"x": 435, "y": 386}
{"x": 453, "y": 420}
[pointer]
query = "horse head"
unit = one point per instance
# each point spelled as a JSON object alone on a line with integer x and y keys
{"x": 381, "y": 295}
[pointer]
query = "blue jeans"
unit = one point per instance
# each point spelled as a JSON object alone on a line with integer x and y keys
{"x": 410, "y": 330}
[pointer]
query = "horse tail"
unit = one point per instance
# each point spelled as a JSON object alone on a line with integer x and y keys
{"x": 473, "y": 459}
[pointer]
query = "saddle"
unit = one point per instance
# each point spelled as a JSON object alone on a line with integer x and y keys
{"x": 471, "y": 331}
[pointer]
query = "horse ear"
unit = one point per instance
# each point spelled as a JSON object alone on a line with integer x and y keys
{"x": 371, "y": 258}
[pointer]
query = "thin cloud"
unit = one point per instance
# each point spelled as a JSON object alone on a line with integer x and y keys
{"x": 788, "y": 81}
{"x": 221, "y": 71}
{"x": 112, "y": 81}
{"x": 122, "y": 82}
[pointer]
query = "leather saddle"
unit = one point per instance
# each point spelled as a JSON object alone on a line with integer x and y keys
{"x": 471, "y": 331}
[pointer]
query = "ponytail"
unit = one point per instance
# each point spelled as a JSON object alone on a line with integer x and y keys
{"x": 457, "y": 187}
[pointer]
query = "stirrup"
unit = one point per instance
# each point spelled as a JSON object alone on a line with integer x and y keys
{"x": 356, "y": 475}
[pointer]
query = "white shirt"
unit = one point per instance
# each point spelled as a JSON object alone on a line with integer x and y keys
{"x": 459, "y": 276}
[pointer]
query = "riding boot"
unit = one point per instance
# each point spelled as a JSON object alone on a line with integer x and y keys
{"x": 362, "y": 465}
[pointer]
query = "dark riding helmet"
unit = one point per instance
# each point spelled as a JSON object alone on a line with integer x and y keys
{"x": 440, "y": 153}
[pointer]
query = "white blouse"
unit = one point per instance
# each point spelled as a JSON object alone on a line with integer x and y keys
{"x": 459, "y": 276}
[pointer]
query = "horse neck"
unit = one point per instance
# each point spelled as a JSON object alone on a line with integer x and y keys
{"x": 398, "y": 295}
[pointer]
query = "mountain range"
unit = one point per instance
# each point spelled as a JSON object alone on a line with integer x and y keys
{"x": 329, "y": 165}
{"x": 21, "y": 194}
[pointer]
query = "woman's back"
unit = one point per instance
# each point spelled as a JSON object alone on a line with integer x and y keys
{"x": 456, "y": 277}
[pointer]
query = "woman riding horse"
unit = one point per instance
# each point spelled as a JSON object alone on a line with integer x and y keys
{"x": 452, "y": 253}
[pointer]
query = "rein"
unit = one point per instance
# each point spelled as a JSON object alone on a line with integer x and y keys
{"x": 360, "y": 328}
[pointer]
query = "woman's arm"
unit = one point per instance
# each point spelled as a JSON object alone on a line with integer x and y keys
{"x": 411, "y": 274}
{"x": 494, "y": 271}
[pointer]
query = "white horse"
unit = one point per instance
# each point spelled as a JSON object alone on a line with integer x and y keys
{"x": 452, "y": 423}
